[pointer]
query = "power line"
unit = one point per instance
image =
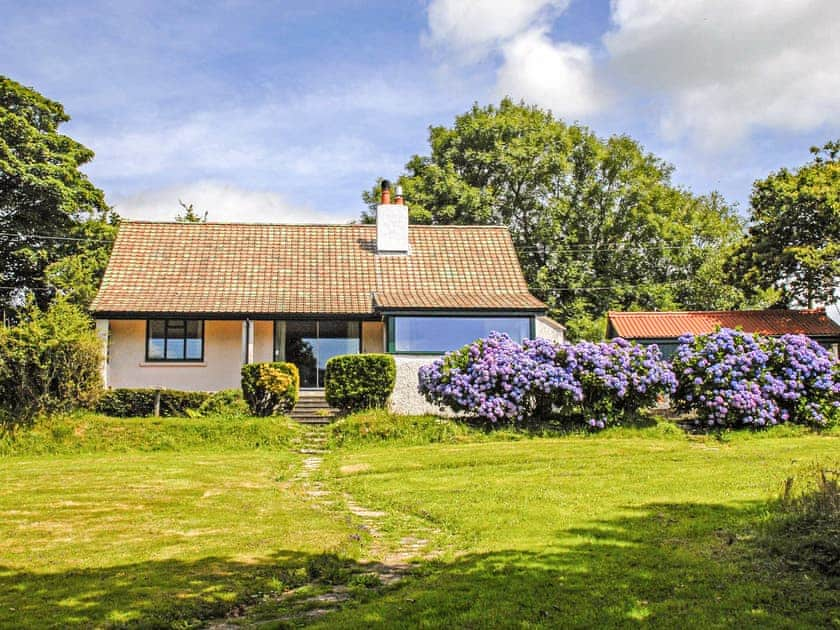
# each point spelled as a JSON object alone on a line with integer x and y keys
{"x": 45, "y": 289}
{"x": 55, "y": 238}
{"x": 529, "y": 249}
{"x": 551, "y": 250}
{"x": 609, "y": 288}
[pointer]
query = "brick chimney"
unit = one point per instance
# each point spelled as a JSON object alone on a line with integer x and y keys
{"x": 391, "y": 222}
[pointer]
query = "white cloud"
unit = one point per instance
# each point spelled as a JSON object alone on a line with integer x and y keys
{"x": 222, "y": 202}
{"x": 726, "y": 68}
{"x": 472, "y": 29}
{"x": 560, "y": 76}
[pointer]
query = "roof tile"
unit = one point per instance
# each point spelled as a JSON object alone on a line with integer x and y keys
{"x": 304, "y": 269}
{"x": 663, "y": 325}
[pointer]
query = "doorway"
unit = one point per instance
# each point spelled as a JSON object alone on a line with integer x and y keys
{"x": 309, "y": 344}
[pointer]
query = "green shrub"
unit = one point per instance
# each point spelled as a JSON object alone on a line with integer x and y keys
{"x": 228, "y": 402}
{"x": 355, "y": 382}
{"x": 125, "y": 402}
{"x": 270, "y": 388}
{"x": 49, "y": 362}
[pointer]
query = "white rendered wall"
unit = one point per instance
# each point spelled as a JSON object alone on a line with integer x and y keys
{"x": 406, "y": 399}
{"x": 219, "y": 370}
{"x": 547, "y": 328}
{"x": 263, "y": 341}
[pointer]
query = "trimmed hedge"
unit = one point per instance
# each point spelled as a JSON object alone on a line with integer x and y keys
{"x": 125, "y": 402}
{"x": 227, "y": 402}
{"x": 270, "y": 388}
{"x": 355, "y": 382}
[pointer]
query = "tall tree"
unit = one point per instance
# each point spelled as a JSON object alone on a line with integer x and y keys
{"x": 597, "y": 224}
{"x": 794, "y": 234}
{"x": 190, "y": 214}
{"x": 46, "y": 202}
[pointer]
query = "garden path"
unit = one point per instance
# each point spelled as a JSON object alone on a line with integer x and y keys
{"x": 386, "y": 563}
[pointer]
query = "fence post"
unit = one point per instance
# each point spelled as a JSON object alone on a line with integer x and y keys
{"x": 157, "y": 403}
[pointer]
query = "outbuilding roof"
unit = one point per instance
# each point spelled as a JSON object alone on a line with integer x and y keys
{"x": 666, "y": 325}
{"x": 237, "y": 268}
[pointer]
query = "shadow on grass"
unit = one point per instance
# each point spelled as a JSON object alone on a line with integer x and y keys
{"x": 152, "y": 594}
{"x": 558, "y": 425}
{"x": 665, "y": 565}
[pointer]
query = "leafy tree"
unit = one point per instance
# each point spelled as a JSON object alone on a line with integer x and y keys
{"x": 793, "y": 243}
{"x": 46, "y": 202}
{"x": 597, "y": 224}
{"x": 49, "y": 362}
{"x": 77, "y": 276}
{"x": 190, "y": 214}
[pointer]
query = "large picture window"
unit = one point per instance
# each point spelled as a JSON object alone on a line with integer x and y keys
{"x": 436, "y": 335}
{"x": 175, "y": 340}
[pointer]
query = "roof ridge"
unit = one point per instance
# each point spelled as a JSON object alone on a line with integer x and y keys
{"x": 332, "y": 225}
{"x": 753, "y": 310}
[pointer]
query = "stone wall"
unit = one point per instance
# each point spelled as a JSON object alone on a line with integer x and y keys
{"x": 406, "y": 399}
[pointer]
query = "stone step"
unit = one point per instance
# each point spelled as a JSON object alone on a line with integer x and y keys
{"x": 312, "y": 408}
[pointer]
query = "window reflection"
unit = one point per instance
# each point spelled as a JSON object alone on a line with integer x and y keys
{"x": 442, "y": 334}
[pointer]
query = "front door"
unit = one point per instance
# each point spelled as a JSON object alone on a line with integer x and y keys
{"x": 309, "y": 344}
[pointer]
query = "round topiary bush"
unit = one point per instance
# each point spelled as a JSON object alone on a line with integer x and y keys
{"x": 354, "y": 382}
{"x": 270, "y": 388}
{"x": 734, "y": 379}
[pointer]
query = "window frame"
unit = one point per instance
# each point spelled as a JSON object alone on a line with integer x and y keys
{"x": 281, "y": 356}
{"x": 166, "y": 338}
{"x": 391, "y": 333}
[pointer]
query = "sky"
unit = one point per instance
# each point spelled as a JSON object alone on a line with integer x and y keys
{"x": 286, "y": 111}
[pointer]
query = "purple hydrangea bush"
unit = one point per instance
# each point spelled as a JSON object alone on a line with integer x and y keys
{"x": 499, "y": 380}
{"x": 617, "y": 378}
{"x": 734, "y": 379}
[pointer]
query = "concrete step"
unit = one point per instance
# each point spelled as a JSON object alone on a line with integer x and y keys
{"x": 312, "y": 408}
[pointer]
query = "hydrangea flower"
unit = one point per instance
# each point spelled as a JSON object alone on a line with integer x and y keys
{"x": 498, "y": 379}
{"x": 731, "y": 379}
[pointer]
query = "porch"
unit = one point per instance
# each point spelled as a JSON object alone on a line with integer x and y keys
{"x": 207, "y": 355}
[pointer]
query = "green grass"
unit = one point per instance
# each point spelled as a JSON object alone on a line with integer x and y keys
{"x": 378, "y": 428}
{"x": 88, "y": 433}
{"x": 116, "y": 536}
{"x": 168, "y": 523}
{"x": 591, "y": 531}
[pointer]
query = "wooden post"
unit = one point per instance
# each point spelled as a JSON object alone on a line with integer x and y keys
{"x": 157, "y": 403}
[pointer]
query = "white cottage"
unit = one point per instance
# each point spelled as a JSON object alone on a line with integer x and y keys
{"x": 184, "y": 305}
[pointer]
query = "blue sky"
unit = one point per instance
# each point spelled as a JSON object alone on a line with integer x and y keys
{"x": 285, "y": 111}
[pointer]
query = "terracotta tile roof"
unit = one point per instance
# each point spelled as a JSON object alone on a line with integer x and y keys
{"x": 663, "y": 325}
{"x": 303, "y": 269}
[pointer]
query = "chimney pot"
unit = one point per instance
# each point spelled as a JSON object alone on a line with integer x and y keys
{"x": 398, "y": 196}
{"x": 386, "y": 192}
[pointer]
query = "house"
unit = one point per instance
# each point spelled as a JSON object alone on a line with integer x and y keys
{"x": 184, "y": 305}
{"x": 665, "y": 328}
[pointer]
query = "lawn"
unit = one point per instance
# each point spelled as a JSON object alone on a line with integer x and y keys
{"x": 171, "y": 523}
{"x": 604, "y": 531}
{"x": 101, "y": 533}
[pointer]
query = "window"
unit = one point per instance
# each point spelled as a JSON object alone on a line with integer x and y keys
{"x": 175, "y": 340}
{"x": 309, "y": 344}
{"x": 436, "y": 335}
